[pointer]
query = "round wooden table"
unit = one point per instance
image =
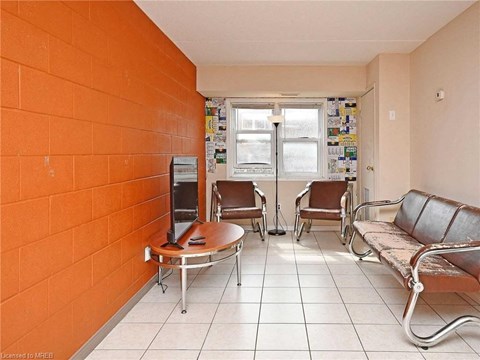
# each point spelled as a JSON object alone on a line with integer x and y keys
{"x": 219, "y": 237}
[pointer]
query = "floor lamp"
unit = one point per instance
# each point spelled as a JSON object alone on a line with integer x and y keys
{"x": 276, "y": 119}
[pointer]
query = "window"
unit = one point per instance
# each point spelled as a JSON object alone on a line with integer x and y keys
{"x": 252, "y": 139}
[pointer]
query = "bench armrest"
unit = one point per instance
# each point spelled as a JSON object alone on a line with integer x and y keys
{"x": 369, "y": 204}
{"x": 438, "y": 249}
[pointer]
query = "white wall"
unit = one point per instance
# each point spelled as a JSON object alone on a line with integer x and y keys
{"x": 390, "y": 74}
{"x": 272, "y": 81}
{"x": 445, "y": 135}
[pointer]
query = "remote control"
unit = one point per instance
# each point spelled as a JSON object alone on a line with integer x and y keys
{"x": 198, "y": 237}
{"x": 196, "y": 242}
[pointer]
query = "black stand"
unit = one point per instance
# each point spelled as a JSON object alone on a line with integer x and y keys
{"x": 171, "y": 241}
{"x": 276, "y": 231}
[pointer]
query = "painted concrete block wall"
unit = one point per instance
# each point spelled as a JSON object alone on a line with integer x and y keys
{"x": 445, "y": 135}
{"x": 95, "y": 100}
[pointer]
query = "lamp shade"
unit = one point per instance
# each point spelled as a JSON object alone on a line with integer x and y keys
{"x": 276, "y": 117}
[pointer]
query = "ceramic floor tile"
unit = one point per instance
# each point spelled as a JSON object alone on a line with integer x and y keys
{"x": 253, "y": 259}
{"x": 454, "y": 343}
{"x": 204, "y": 295}
{"x": 423, "y": 314}
{"x": 156, "y": 294}
{"x": 345, "y": 269}
{"x": 235, "y": 313}
{"x": 231, "y": 337}
{"x": 208, "y": 281}
{"x": 282, "y": 355}
{"x": 279, "y": 258}
{"x": 171, "y": 354}
{"x": 180, "y": 337}
{"x": 226, "y": 355}
{"x": 281, "y": 295}
{"x": 345, "y": 259}
{"x": 130, "y": 336}
{"x": 360, "y": 296}
{"x": 251, "y": 269}
{"x": 115, "y": 355}
{"x": 333, "y": 337}
{"x": 395, "y": 296}
{"x": 384, "y": 281}
{"x": 371, "y": 314}
{"x": 380, "y": 355}
{"x": 282, "y": 337}
{"x": 272, "y": 280}
{"x": 384, "y": 337}
{"x": 321, "y": 295}
{"x": 471, "y": 336}
{"x": 145, "y": 312}
{"x": 316, "y": 281}
{"x": 247, "y": 281}
{"x": 281, "y": 269}
{"x": 197, "y": 313}
{"x": 450, "y": 356}
{"x": 443, "y": 299}
{"x": 304, "y": 259}
{"x": 315, "y": 269}
{"x": 335, "y": 355}
{"x": 281, "y": 313}
{"x": 242, "y": 294}
{"x": 451, "y": 312}
{"x": 326, "y": 314}
{"x": 371, "y": 266}
{"x": 218, "y": 269}
{"x": 352, "y": 281}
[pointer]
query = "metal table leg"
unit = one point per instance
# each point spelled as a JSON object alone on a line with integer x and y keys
{"x": 239, "y": 266}
{"x": 184, "y": 285}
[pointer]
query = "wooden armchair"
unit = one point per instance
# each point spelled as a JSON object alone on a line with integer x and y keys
{"x": 328, "y": 200}
{"x": 236, "y": 200}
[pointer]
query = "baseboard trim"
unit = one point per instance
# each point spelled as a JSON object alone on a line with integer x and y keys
{"x": 97, "y": 338}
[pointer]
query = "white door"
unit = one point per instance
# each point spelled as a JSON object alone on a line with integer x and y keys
{"x": 367, "y": 150}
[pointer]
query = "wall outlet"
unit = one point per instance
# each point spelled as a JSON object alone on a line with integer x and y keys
{"x": 279, "y": 206}
{"x": 148, "y": 253}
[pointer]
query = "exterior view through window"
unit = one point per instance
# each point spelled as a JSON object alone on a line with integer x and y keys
{"x": 251, "y": 142}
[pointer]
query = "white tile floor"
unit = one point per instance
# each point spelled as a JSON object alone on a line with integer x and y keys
{"x": 298, "y": 300}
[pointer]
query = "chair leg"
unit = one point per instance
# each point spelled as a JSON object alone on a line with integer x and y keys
{"x": 255, "y": 225}
{"x": 435, "y": 338}
{"x": 263, "y": 227}
{"x": 309, "y": 226}
{"x": 352, "y": 250}
{"x": 343, "y": 231}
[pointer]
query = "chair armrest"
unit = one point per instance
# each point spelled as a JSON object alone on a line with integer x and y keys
{"x": 440, "y": 248}
{"x": 217, "y": 195}
{"x": 260, "y": 193}
{"x": 369, "y": 204}
{"x": 301, "y": 195}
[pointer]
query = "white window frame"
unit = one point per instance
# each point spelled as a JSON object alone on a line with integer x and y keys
{"x": 265, "y": 103}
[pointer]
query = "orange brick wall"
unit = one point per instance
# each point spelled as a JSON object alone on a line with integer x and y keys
{"x": 95, "y": 100}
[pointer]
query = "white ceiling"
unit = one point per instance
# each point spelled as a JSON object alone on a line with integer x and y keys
{"x": 283, "y": 32}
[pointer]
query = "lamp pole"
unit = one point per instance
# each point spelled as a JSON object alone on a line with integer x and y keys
{"x": 276, "y": 231}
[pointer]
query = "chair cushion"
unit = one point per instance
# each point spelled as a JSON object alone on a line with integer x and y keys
{"x": 385, "y": 241}
{"x": 410, "y": 210}
{"x": 326, "y": 194}
{"x": 436, "y": 273}
{"x": 368, "y": 226}
{"x": 434, "y": 220}
{"x": 241, "y": 213}
{"x": 465, "y": 226}
{"x": 320, "y": 214}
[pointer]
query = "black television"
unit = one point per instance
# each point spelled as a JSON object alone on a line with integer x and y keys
{"x": 183, "y": 197}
